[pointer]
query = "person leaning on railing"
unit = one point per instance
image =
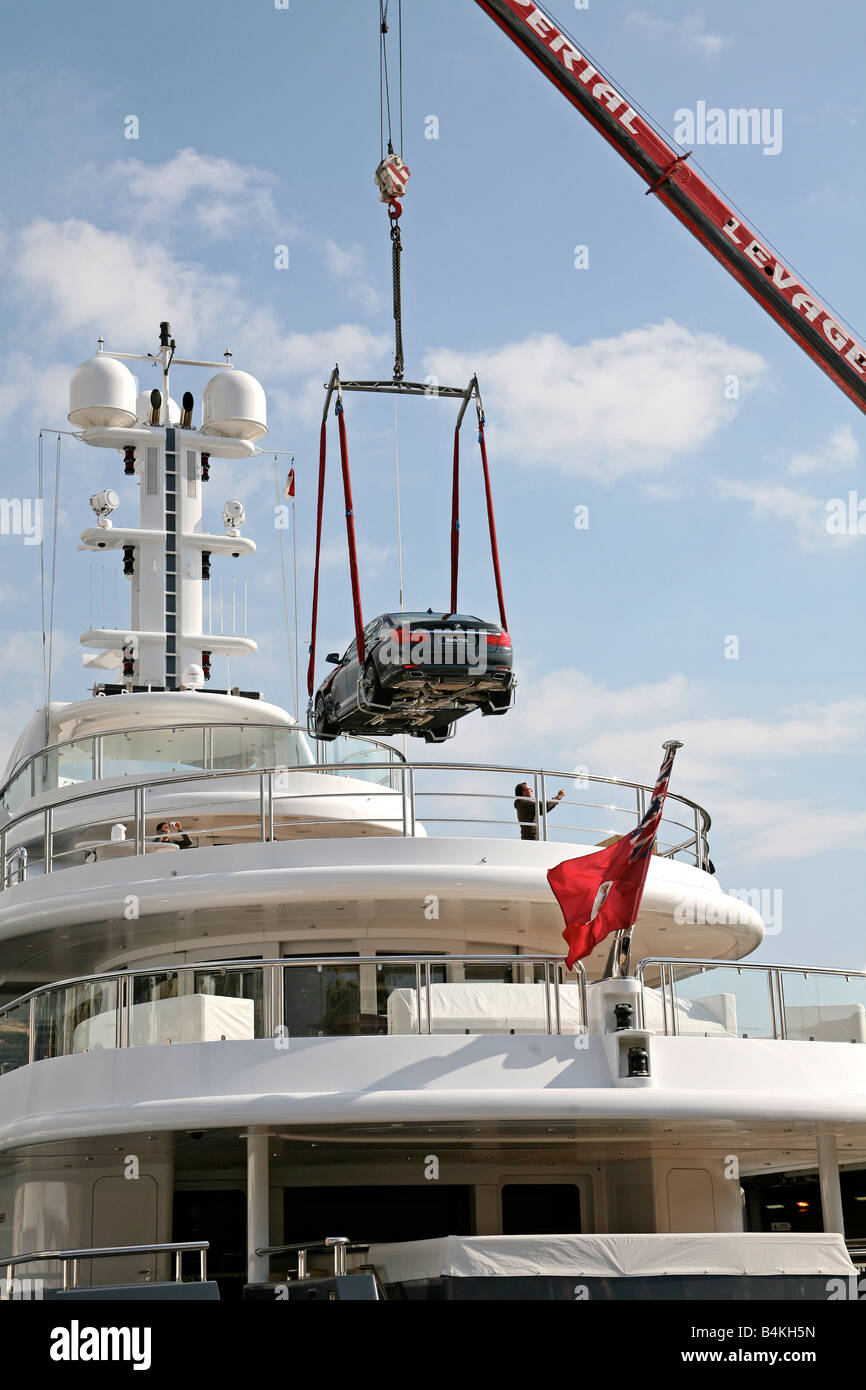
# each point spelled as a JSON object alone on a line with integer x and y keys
{"x": 527, "y": 810}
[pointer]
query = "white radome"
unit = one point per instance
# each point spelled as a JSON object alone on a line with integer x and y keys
{"x": 233, "y": 405}
{"x": 102, "y": 392}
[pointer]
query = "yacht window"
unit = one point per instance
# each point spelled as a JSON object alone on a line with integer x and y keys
{"x": 540, "y": 1209}
{"x": 153, "y": 750}
{"x": 237, "y": 747}
{"x": 423, "y": 1211}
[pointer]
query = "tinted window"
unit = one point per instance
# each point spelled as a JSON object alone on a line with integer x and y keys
{"x": 540, "y": 1209}
{"x": 378, "y": 1213}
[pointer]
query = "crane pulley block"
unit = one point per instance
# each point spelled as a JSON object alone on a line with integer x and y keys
{"x": 391, "y": 178}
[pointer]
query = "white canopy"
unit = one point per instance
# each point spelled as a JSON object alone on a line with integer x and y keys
{"x": 612, "y": 1256}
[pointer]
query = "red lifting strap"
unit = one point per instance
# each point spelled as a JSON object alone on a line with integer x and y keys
{"x": 353, "y": 554}
{"x": 494, "y": 549}
{"x": 455, "y": 520}
{"x": 350, "y": 532}
{"x": 323, "y": 449}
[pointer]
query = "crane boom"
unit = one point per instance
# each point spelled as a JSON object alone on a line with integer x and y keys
{"x": 791, "y": 303}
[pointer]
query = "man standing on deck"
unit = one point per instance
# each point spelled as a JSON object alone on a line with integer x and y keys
{"x": 527, "y": 810}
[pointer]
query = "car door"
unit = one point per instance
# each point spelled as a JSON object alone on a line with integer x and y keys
{"x": 344, "y": 688}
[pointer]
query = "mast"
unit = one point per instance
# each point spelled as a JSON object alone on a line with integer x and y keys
{"x": 167, "y": 556}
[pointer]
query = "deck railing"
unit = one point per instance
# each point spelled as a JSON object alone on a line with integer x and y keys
{"x": 70, "y": 1260}
{"x": 400, "y": 995}
{"x": 402, "y": 799}
{"x": 294, "y": 997}
{"x": 706, "y": 998}
{"x": 149, "y": 750}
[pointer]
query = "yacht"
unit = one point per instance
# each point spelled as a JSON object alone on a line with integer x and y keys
{"x": 289, "y": 1019}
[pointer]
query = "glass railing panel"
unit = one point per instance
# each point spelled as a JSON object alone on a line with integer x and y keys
{"x": 398, "y": 1002}
{"x": 508, "y": 997}
{"x": 74, "y": 763}
{"x": 79, "y": 1017}
{"x": 230, "y": 1003}
{"x": 153, "y": 751}
{"x": 354, "y": 758}
{"x": 14, "y": 1037}
{"x": 325, "y": 1001}
{"x": 824, "y": 1008}
{"x": 18, "y": 790}
{"x": 241, "y": 748}
{"x": 721, "y": 1001}
{"x": 156, "y": 1015}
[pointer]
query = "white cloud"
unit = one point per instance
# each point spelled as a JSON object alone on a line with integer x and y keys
{"x": 38, "y": 393}
{"x": 372, "y": 558}
{"x": 777, "y": 502}
{"x": 346, "y": 264}
{"x": 625, "y": 405}
{"x": 689, "y": 32}
{"x": 220, "y": 195}
{"x": 566, "y": 720}
{"x": 841, "y": 449}
{"x": 85, "y": 280}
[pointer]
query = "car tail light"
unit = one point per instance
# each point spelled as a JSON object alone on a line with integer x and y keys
{"x": 498, "y": 639}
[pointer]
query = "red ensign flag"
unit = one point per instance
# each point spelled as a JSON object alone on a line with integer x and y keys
{"x": 601, "y": 893}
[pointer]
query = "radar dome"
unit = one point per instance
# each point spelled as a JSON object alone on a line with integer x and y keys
{"x": 142, "y": 409}
{"x": 102, "y": 392}
{"x": 233, "y": 404}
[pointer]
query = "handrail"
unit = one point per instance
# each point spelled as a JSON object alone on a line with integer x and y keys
{"x": 749, "y": 965}
{"x": 176, "y": 1248}
{"x": 696, "y": 845}
{"x": 272, "y": 973}
{"x": 207, "y": 728}
{"x": 775, "y": 976}
{"x": 337, "y": 1246}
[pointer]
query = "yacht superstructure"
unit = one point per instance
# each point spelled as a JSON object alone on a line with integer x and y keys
{"x": 260, "y": 990}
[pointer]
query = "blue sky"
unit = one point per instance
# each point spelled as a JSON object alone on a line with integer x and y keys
{"x": 604, "y": 386}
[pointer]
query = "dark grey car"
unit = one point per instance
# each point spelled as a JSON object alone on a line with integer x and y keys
{"x": 421, "y": 673}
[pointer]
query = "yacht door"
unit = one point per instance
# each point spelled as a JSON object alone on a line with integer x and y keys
{"x": 125, "y": 1213}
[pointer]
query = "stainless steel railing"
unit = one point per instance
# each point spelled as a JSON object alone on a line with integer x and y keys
{"x": 70, "y": 1260}
{"x": 447, "y": 798}
{"x": 338, "y": 1247}
{"x": 94, "y": 757}
{"x": 352, "y": 999}
{"x": 775, "y": 1005}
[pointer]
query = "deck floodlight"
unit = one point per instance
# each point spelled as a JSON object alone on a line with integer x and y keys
{"x": 103, "y": 504}
{"x": 234, "y": 517}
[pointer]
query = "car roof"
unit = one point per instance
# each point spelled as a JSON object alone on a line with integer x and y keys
{"x": 421, "y": 617}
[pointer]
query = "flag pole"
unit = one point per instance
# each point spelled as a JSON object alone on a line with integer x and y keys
{"x": 295, "y": 606}
{"x": 619, "y": 961}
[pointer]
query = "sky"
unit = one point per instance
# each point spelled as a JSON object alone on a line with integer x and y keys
{"x": 704, "y": 598}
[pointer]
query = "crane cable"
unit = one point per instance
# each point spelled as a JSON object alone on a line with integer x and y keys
{"x": 392, "y": 175}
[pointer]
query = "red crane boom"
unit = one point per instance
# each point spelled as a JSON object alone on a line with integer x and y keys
{"x": 690, "y": 199}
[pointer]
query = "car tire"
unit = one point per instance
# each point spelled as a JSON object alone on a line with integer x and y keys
{"x": 371, "y": 686}
{"x": 324, "y": 728}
